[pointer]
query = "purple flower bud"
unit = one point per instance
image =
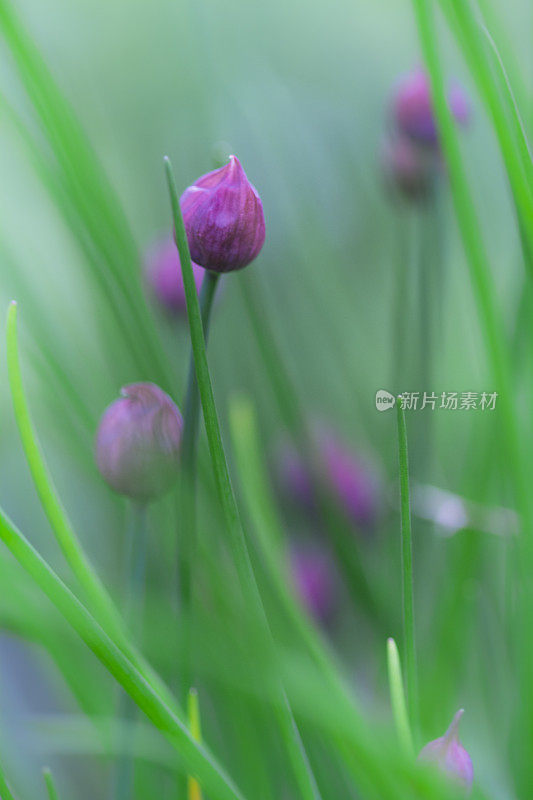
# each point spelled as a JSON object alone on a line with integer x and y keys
{"x": 224, "y": 219}
{"x": 163, "y": 273}
{"x": 315, "y": 582}
{"x": 449, "y": 755}
{"x": 352, "y": 482}
{"x": 413, "y": 107}
{"x": 138, "y": 442}
{"x": 409, "y": 169}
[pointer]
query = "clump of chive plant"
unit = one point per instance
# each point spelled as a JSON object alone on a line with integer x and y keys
{"x": 138, "y": 442}
{"x": 224, "y": 219}
{"x": 314, "y": 579}
{"x": 163, "y": 275}
{"x": 449, "y": 755}
{"x": 353, "y": 483}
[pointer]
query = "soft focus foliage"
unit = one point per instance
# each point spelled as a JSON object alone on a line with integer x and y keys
{"x": 353, "y": 292}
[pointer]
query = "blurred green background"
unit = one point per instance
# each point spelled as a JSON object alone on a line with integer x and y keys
{"x": 299, "y": 91}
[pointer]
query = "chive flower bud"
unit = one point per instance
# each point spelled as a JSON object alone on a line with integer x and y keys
{"x": 410, "y": 170}
{"x": 412, "y": 107}
{"x": 314, "y": 580}
{"x": 351, "y": 481}
{"x": 449, "y": 755}
{"x": 138, "y": 442}
{"x": 163, "y": 275}
{"x": 224, "y": 219}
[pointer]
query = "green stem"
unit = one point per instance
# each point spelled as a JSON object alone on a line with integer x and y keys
{"x": 407, "y": 570}
{"x": 292, "y": 741}
{"x": 136, "y": 547}
{"x": 397, "y": 696}
{"x": 50, "y": 785}
{"x": 400, "y": 298}
{"x": 193, "y": 710}
{"x": 187, "y": 507}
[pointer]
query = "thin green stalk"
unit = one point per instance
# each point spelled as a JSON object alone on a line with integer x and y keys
{"x": 187, "y": 498}
{"x": 294, "y": 747}
{"x": 101, "y": 603}
{"x": 408, "y": 606}
{"x": 400, "y": 297}
{"x": 397, "y": 696}
{"x": 193, "y": 789}
{"x": 136, "y": 547}
{"x": 50, "y": 785}
{"x": 196, "y": 759}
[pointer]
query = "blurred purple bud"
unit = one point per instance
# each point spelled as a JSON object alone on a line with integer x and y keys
{"x": 163, "y": 273}
{"x": 409, "y": 169}
{"x": 314, "y": 580}
{"x": 449, "y": 755}
{"x": 224, "y": 219}
{"x": 353, "y": 483}
{"x": 138, "y": 442}
{"x": 413, "y": 107}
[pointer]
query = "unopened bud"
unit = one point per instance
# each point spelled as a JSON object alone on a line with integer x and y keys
{"x": 138, "y": 442}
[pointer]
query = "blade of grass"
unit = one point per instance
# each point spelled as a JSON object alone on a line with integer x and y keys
{"x": 100, "y": 601}
{"x": 196, "y": 758}
{"x": 50, "y": 785}
{"x": 397, "y": 696}
{"x": 193, "y": 789}
{"x": 293, "y": 744}
{"x": 408, "y": 605}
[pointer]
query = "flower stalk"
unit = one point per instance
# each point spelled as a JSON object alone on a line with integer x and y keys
{"x": 408, "y": 611}
{"x": 187, "y": 495}
{"x": 294, "y": 746}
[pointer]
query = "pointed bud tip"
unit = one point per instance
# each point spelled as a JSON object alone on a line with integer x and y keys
{"x": 452, "y": 734}
{"x": 223, "y": 218}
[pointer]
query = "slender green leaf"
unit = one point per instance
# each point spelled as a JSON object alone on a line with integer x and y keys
{"x": 196, "y": 759}
{"x": 100, "y": 601}
{"x": 50, "y": 785}
{"x": 397, "y": 696}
